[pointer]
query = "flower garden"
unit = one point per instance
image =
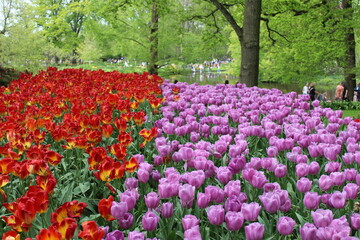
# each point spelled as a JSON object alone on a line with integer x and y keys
{"x": 106, "y": 155}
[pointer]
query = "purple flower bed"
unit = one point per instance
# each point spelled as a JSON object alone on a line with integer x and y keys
{"x": 234, "y": 162}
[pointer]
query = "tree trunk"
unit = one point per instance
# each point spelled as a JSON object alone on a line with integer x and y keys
{"x": 153, "y": 67}
{"x": 250, "y": 46}
{"x": 350, "y": 76}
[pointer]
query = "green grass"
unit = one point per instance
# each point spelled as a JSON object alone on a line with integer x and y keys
{"x": 351, "y": 113}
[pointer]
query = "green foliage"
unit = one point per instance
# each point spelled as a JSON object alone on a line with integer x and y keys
{"x": 341, "y": 105}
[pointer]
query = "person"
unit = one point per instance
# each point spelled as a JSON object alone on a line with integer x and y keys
{"x": 312, "y": 91}
{"x": 305, "y": 90}
{"x": 344, "y": 96}
{"x": 339, "y": 91}
{"x": 322, "y": 97}
{"x": 357, "y": 91}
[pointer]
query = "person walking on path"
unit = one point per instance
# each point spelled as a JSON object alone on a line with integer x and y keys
{"x": 312, "y": 91}
{"x": 339, "y": 92}
{"x": 345, "y": 93}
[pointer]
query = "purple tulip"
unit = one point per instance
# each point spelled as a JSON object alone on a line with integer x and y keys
{"x": 280, "y": 171}
{"x": 130, "y": 197}
{"x": 302, "y": 169}
{"x": 355, "y": 221}
{"x": 324, "y": 233}
{"x": 272, "y": 151}
{"x": 203, "y": 200}
{"x": 325, "y": 182}
{"x": 196, "y": 178}
{"x": 233, "y": 203}
{"x": 186, "y": 153}
{"x": 304, "y": 185}
{"x": 118, "y": 209}
{"x": 258, "y": 179}
{"x": 126, "y": 221}
{"x": 149, "y": 221}
{"x": 313, "y": 150}
{"x": 192, "y": 233}
{"x": 164, "y": 150}
{"x": 350, "y": 174}
{"x": 314, "y": 168}
{"x": 308, "y": 231}
{"x": 254, "y": 231}
{"x": 236, "y": 164}
{"x": 131, "y": 183}
{"x": 250, "y": 211}
{"x": 348, "y": 158}
{"x": 285, "y": 225}
{"x": 337, "y": 178}
{"x": 189, "y": 221}
{"x": 270, "y": 201}
{"x": 234, "y": 220}
{"x": 223, "y": 174}
{"x": 186, "y": 193}
{"x": 216, "y": 194}
{"x": 232, "y": 188}
{"x": 155, "y": 175}
{"x": 167, "y": 210}
{"x": 311, "y": 200}
{"x": 221, "y": 147}
{"x": 152, "y": 200}
{"x": 143, "y": 175}
{"x": 194, "y": 137}
{"x": 216, "y": 214}
{"x": 135, "y": 235}
{"x": 322, "y": 218}
{"x": 338, "y": 199}
{"x": 332, "y": 167}
{"x": 238, "y": 149}
{"x": 351, "y": 190}
{"x": 341, "y": 225}
{"x": 115, "y": 235}
{"x": 167, "y": 189}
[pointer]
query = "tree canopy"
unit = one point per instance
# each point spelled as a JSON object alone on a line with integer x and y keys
{"x": 297, "y": 40}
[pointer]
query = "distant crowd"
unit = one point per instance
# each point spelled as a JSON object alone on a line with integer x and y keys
{"x": 341, "y": 93}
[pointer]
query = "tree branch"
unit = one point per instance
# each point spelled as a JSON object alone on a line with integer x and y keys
{"x": 266, "y": 20}
{"x": 134, "y": 40}
{"x": 238, "y": 30}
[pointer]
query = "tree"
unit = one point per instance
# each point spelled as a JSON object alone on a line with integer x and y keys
{"x": 154, "y": 39}
{"x": 62, "y": 21}
{"x": 350, "y": 75}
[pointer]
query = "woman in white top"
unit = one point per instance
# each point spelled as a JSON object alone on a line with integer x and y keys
{"x": 305, "y": 90}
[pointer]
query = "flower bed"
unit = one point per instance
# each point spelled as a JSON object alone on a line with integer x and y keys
{"x": 228, "y": 161}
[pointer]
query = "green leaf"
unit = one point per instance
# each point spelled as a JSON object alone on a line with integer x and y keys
{"x": 301, "y": 219}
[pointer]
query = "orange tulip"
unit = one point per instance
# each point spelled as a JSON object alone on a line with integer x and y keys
{"x": 125, "y": 139}
{"x": 49, "y": 234}
{"x": 139, "y": 118}
{"x": 91, "y": 231}
{"x": 120, "y": 124}
{"x": 104, "y": 207}
{"x": 66, "y": 228}
{"x": 107, "y": 130}
{"x": 131, "y": 165}
{"x": 47, "y": 183}
{"x": 11, "y": 235}
{"x": 118, "y": 150}
{"x": 53, "y": 157}
{"x": 4, "y": 179}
